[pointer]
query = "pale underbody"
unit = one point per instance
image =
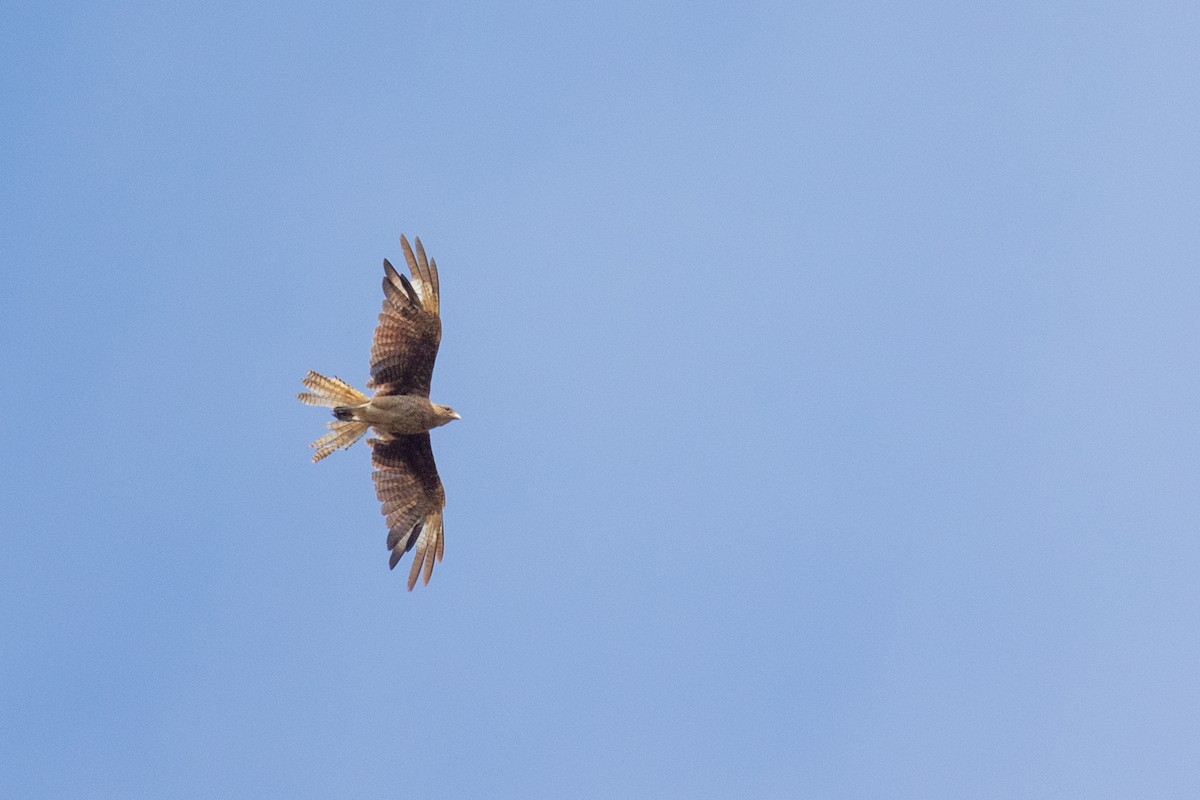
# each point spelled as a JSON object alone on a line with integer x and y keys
{"x": 398, "y": 414}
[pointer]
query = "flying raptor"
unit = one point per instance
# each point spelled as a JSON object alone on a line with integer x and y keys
{"x": 400, "y": 412}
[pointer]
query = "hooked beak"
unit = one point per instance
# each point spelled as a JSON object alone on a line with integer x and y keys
{"x": 454, "y": 415}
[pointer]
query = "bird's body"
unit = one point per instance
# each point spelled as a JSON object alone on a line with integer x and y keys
{"x": 400, "y": 412}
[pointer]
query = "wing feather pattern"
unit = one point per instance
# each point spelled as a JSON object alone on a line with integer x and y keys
{"x": 412, "y": 499}
{"x": 410, "y": 327}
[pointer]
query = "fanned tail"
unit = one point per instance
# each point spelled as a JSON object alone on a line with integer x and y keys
{"x": 333, "y": 392}
{"x": 329, "y": 392}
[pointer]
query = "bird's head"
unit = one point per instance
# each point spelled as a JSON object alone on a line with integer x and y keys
{"x": 446, "y": 414}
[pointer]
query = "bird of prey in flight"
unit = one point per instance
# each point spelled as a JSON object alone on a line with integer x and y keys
{"x": 400, "y": 412}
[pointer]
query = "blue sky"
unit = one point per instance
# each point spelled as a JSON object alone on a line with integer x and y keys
{"x": 827, "y": 372}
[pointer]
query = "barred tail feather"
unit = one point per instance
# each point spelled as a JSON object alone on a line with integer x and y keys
{"x": 329, "y": 392}
{"x": 341, "y": 435}
{"x": 333, "y": 392}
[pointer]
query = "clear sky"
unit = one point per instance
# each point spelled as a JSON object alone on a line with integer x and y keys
{"x": 828, "y": 376}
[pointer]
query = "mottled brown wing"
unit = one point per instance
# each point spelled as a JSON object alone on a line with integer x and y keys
{"x": 410, "y": 327}
{"x": 408, "y": 486}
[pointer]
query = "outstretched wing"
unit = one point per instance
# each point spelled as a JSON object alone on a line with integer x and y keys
{"x": 408, "y": 486}
{"x": 410, "y": 328}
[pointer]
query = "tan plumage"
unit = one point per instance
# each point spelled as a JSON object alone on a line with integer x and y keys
{"x": 400, "y": 412}
{"x": 333, "y": 392}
